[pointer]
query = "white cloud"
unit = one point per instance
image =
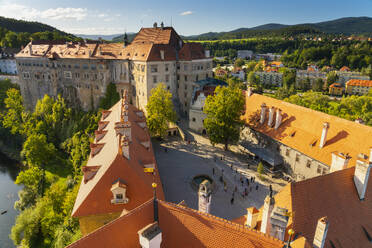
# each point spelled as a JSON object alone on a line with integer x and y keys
{"x": 19, "y": 11}
{"x": 65, "y": 13}
{"x": 186, "y": 13}
{"x": 97, "y": 30}
{"x": 102, "y": 15}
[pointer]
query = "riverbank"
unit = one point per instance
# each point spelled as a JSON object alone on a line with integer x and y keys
{"x": 9, "y": 170}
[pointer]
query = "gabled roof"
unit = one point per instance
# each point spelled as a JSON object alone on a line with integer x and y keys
{"x": 94, "y": 195}
{"x": 180, "y": 226}
{"x": 333, "y": 195}
{"x": 345, "y": 68}
{"x": 343, "y": 135}
{"x": 192, "y": 51}
{"x": 358, "y": 82}
{"x": 166, "y": 36}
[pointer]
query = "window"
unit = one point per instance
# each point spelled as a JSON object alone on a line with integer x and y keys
{"x": 26, "y": 75}
{"x": 167, "y": 78}
{"x": 154, "y": 68}
{"x": 93, "y": 67}
{"x": 308, "y": 163}
{"x": 142, "y": 68}
{"x": 67, "y": 74}
{"x": 297, "y": 157}
{"x": 185, "y": 78}
{"x": 119, "y": 196}
{"x": 185, "y": 86}
{"x": 193, "y": 119}
{"x": 166, "y": 67}
{"x": 185, "y": 68}
{"x": 154, "y": 79}
{"x": 197, "y": 78}
{"x": 319, "y": 170}
{"x": 85, "y": 66}
{"x": 287, "y": 152}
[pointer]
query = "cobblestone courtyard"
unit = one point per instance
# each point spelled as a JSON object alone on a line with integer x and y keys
{"x": 180, "y": 162}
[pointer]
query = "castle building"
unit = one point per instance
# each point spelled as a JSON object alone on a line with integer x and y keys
{"x": 81, "y": 71}
{"x": 305, "y": 142}
{"x": 121, "y": 203}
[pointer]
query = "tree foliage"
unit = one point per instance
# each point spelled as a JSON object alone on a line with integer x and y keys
{"x": 160, "y": 110}
{"x": 111, "y": 97}
{"x": 223, "y": 111}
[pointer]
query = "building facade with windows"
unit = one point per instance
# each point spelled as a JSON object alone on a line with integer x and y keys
{"x": 307, "y": 143}
{"x": 270, "y": 78}
{"x": 81, "y": 71}
{"x": 358, "y": 87}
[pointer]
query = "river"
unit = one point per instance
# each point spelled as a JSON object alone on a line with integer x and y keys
{"x": 8, "y": 195}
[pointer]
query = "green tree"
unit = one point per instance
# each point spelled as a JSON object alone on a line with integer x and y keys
{"x": 223, "y": 111}
{"x": 160, "y": 110}
{"x": 14, "y": 111}
{"x": 260, "y": 169}
{"x": 318, "y": 85}
{"x": 332, "y": 77}
{"x": 253, "y": 78}
{"x": 239, "y": 62}
{"x": 251, "y": 65}
{"x": 111, "y": 97}
{"x": 37, "y": 151}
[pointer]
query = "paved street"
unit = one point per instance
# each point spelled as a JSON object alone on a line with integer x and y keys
{"x": 183, "y": 161}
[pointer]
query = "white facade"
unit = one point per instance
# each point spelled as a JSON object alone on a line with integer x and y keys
{"x": 8, "y": 66}
{"x": 245, "y": 54}
{"x": 270, "y": 78}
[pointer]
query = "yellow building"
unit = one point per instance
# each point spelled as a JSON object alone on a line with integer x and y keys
{"x": 336, "y": 89}
{"x": 358, "y": 87}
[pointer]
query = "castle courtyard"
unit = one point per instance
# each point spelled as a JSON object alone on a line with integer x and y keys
{"x": 179, "y": 162}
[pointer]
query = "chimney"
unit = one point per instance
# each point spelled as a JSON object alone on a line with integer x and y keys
{"x": 150, "y": 236}
{"x": 205, "y": 195}
{"x": 30, "y": 49}
{"x": 271, "y": 116}
{"x": 323, "y": 139}
{"x": 361, "y": 176}
{"x": 339, "y": 161}
{"x": 125, "y": 146}
{"x": 100, "y": 51}
{"x": 162, "y": 54}
{"x": 278, "y": 119}
{"x": 321, "y": 233}
{"x": 155, "y": 25}
{"x": 278, "y": 221}
{"x": 207, "y": 53}
{"x": 90, "y": 53}
{"x": 266, "y": 213}
{"x": 249, "y": 91}
{"x": 252, "y": 216}
{"x": 263, "y": 111}
{"x": 162, "y": 25}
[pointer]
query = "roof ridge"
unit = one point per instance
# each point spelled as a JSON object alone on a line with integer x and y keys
{"x": 223, "y": 221}
{"x": 312, "y": 110}
{"x": 112, "y": 222}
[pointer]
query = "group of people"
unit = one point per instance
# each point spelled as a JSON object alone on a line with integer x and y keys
{"x": 248, "y": 184}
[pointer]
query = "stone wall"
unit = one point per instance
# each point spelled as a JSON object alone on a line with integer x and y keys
{"x": 297, "y": 164}
{"x": 196, "y": 118}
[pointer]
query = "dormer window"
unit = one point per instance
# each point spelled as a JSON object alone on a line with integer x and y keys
{"x": 118, "y": 189}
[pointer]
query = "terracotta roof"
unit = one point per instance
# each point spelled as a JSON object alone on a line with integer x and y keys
{"x": 358, "y": 82}
{"x": 343, "y": 135}
{"x": 345, "y": 68}
{"x": 109, "y": 165}
{"x": 191, "y": 51}
{"x": 333, "y": 195}
{"x": 181, "y": 227}
{"x": 276, "y": 63}
{"x": 335, "y": 85}
{"x": 166, "y": 35}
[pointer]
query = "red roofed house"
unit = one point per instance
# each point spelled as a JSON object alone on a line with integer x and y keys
{"x": 305, "y": 143}
{"x": 358, "y": 87}
{"x": 336, "y": 89}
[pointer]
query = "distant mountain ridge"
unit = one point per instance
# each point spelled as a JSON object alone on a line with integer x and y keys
{"x": 345, "y": 26}
{"x": 26, "y": 26}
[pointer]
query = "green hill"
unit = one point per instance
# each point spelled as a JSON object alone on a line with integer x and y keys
{"x": 344, "y": 26}
{"x": 26, "y": 26}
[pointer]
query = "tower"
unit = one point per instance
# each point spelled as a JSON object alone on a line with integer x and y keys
{"x": 205, "y": 195}
{"x": 125, "y": 39}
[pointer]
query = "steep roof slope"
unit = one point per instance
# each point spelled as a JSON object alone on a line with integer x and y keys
{"x": 94, "y": 196}
{"x": 181, "y": 227}
{"x": 301, "y": 129}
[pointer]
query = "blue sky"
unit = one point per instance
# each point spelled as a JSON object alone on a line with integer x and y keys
{"x": 188, "y": 17}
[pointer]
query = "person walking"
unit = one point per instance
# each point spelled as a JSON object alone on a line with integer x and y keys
{"x": 257, "y": 187}
{"x": 224, "y": 186}
{"x": 232, "y": 201}
{"x": 213, "y": 170}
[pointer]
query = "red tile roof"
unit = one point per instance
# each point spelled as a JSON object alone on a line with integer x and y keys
{"x": 343, "y": 135}
{"x": 345, "y": 68}
{"x": 192, "y": 51}
{"x": 109, "y": 164}
{"x": 358, "y": 82}
{"x": 181, "y": 227}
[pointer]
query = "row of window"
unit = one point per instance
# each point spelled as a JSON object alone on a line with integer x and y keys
{"x": 76, "y": 66}
{"x": 66, "y": 75}
{"x": 320, "y": 169}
